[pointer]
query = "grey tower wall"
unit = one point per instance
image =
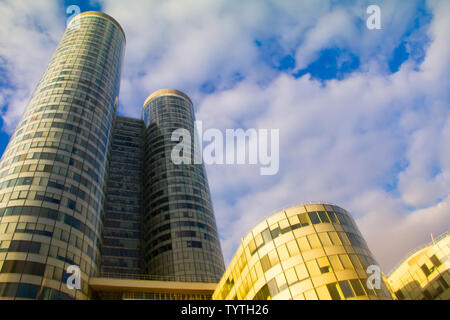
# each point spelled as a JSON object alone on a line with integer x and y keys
{"x": 52, "y": 172}
{"x": 121, "y": 251}
{"x": 181, "y": 239}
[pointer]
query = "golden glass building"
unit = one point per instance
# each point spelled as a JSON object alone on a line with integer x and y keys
{"x": 309, "y": 252}
{"x": 425, "y": 273}
{"x": 52, "y": 173}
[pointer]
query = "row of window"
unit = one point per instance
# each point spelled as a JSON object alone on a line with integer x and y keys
{"x": 50, "y": 214}
{"x": 305, "y": 219}
{"x": 30, "y": 291}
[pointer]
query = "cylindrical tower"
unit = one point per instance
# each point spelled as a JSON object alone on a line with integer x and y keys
{"x": 52, "y": 172}
{"x": 181, "y": 239}
{"x": 309, "y": 252}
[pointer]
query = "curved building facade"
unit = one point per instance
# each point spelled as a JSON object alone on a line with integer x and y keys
{"x": 52, "y": 172}
{"x": 308, "y": 252}
{"x": 425, "y": 273}
{"x": 181, "y": 239}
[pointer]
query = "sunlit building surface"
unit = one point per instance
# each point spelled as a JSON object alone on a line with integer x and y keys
{"x": 309, "y": 252}
{"x": 425, "y": 273}
{"x": 52, "y": 173}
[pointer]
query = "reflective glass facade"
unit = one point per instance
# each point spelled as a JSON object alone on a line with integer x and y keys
{"x": 181, "y": 238}
{"x": 52, "y": 172}
{"x": 310, "y": 252}
{"x": 121, "y": 251}
{"x": 425, "y": 273}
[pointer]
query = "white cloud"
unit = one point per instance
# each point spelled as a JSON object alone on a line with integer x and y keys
{"x": 29, "y": 32}
{"x": 342, "y": 142}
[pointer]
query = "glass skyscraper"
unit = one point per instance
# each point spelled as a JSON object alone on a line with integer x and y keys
{"x": 181, "y": 238}
{"x": 80, "y": 186}
{"x": 53, "y": 169}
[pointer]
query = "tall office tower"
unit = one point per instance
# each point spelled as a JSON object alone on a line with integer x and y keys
{"x": 309, "y": 252}
{"x": 52, "y": 172}
{"x": 181, "y": 239}
{"x": 121, "y": 232}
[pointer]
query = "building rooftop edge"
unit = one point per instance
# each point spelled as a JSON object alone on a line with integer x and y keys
{"x": 164, "y": 92}
{"x": 289, "y": 207}
{"x": 416, "y": 250}
{"x": 104, "y": 15}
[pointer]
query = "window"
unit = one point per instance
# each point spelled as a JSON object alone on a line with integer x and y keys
{"x": 24, "y": 246}
{"x": 252, "y": 247}
{"x": 334, "y": 291}
{"x": 275, "y": 232}
{"x": 265, "y": 263}
{"x": 425, "y": 270}
{"x": 71, "y": 204}
{"x": 357, "y": 287}
{"x": 435, "y": 261}
{"x": 28, "y": 267}
{"x": 334, "y": 238}
{"x": 332, "y": 216}
{"x": 266, "y": 236}
{"x": 259, "y": 240}
{"x": 8, "y": 289}
{"x": 344, "y": 238}
{"x": 314, "y": 218}
{"x": 443, "y": 282}
{"x": 355, "y": 261}
{"x": 27, "y": 291}
{"x": 273, "y": 257}
{"x": 427, "y": 295}
{"x": 194, "y": 244}
{"x": 273, "y": 287}
{"x": 346, "y": 261}
{"x": 324, "y": 265}
{"x": 399, "y": 295}
{"x": 346, "y": 289}
{"x": 263, "y": 293}
{"x": 323, "y": 217}
{"x": 304, "y": 219}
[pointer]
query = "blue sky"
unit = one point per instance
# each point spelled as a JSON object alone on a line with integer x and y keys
{"x": 363, "y": 114}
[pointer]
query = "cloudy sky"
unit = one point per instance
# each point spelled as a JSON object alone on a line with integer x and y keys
{"x": 364, "y": 115}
